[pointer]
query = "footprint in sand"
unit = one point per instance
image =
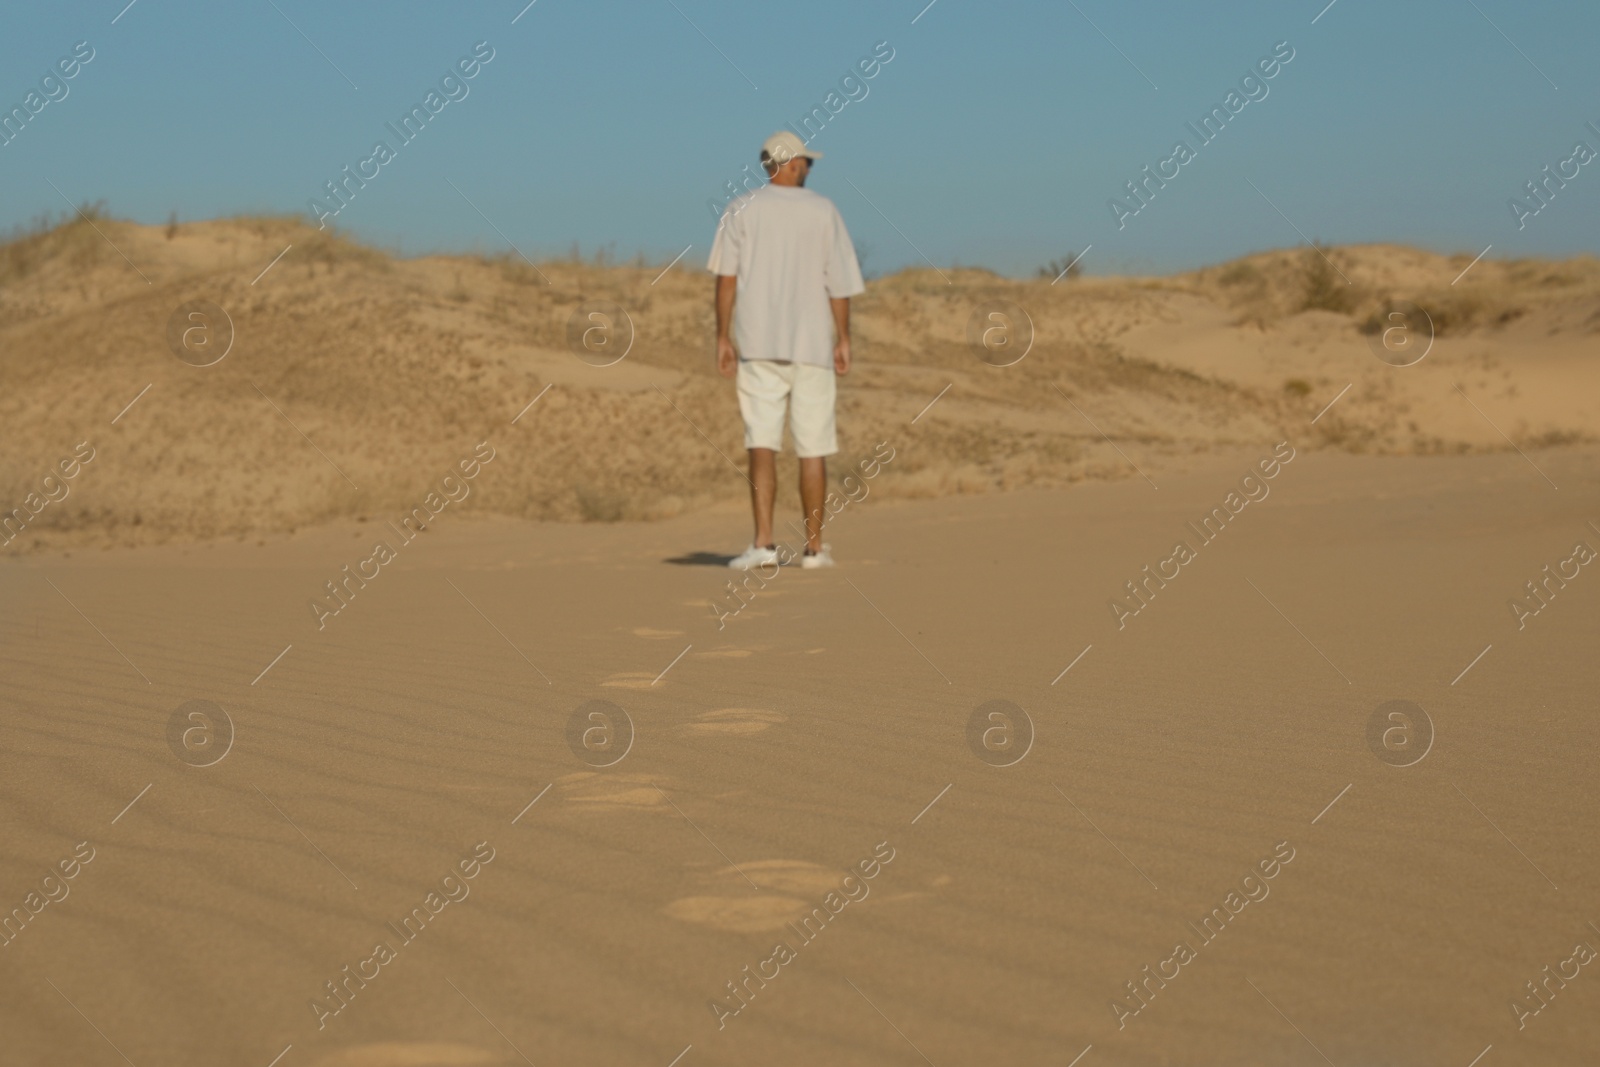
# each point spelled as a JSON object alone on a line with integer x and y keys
{"x": 789, "y": 890}
{"x": 592, "y": 791}
{"x": 632, "y": 680}
{"x": 739, "y": 915}
{"x": 409, "y": 1054}
{"x": 735, "y": 721}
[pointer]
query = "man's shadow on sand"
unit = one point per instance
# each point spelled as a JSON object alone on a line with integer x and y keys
{"x": 701, "y": 559}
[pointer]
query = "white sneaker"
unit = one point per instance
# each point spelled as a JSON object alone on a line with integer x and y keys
{"x": 821, "y": 559}
{"x": 753, "y": 557}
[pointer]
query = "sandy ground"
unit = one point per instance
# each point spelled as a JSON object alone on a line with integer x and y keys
{"x": 826, "y": 724}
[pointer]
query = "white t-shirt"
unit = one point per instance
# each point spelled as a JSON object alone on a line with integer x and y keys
{"x": 790, "y": 251}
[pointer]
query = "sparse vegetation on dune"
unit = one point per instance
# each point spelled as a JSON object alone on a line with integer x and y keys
{"x": 351, "y": 368}
{"x": 1366, "y": 281}
{"x": 72, "y": 242}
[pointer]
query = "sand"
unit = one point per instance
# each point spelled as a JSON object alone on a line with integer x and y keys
{"x": 824, "y": 728}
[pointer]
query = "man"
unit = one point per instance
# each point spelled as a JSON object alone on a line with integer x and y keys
{"x": 783, "y": 251}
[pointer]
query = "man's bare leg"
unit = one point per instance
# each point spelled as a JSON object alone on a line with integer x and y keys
{"x": 763, "y": 488}
{"x": 813, "y": 487}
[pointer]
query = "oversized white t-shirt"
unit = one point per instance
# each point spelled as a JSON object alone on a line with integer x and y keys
{"x": 790, "y": 251}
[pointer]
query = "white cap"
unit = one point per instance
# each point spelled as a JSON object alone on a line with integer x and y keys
{"x": 785, "y": 145}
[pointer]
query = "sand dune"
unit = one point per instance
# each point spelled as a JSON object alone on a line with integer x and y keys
{"x": 356, "y": 381}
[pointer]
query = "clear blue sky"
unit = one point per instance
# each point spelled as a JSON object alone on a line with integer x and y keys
{"x": 995, "y": 136}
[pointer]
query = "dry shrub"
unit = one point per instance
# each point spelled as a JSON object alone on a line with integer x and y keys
{"x": 1070, "y": 265}
{"x": 514, "y": 269}
{"x": 1322, "y": 286}
{"x": 1452, "y": 311}
{"x": 72, "y": 241}
{"x": 600, "y": 505}
{"x": 330, "y": 247}
{"x": 1241, "y": 273}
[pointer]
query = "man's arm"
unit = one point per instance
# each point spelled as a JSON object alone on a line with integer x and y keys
{"x": 727, "y": 355}
{"x": 841, "y": 329}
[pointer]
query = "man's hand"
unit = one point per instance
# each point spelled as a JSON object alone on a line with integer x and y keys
{"x": 840, "y": 306}
{"x": 727, "y": 355}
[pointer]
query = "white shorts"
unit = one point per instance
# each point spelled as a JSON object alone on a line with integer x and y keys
{"x": 807, "y": 391}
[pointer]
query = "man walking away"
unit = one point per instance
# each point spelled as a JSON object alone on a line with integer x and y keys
{"x": 784, "y": 252}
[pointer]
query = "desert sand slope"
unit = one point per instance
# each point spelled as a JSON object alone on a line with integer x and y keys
{"x": 356, "y": 380}
{"x": 1224, "y": 725}
{"x": 1504, "y": 350}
